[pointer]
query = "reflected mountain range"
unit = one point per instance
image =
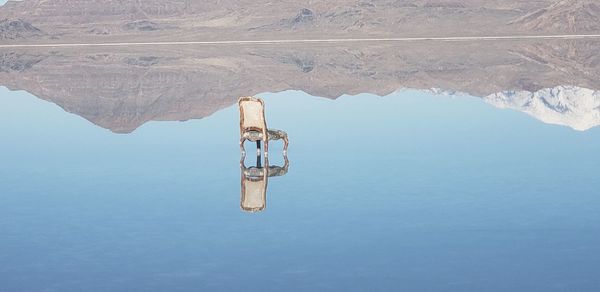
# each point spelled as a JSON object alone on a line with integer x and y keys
{"x": 119, "y": 88}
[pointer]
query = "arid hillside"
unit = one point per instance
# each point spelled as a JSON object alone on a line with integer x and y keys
{"x": 112, "y": 20}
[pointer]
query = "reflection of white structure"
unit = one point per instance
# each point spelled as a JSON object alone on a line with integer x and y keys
{"x": 575, "y": 107}
{"x": 254, "y": 189}
{"x": 255, "y": 181}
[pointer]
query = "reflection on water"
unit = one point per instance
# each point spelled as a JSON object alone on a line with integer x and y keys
{"x": 412, "y": 181}
{"x": 411, "y": 192}
{"x": 255, "y": 181}
{"x": 425, "y": 189}
{"x": 122, "y": 88}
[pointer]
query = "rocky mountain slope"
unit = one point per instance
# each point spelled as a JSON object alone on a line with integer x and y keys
{"x": 122, "y": 88}
{"x": 575, "y": 107}
{"x": 573, "y": 16}
{"x": 18, "y": 30}
{"x": 132, "y": 20}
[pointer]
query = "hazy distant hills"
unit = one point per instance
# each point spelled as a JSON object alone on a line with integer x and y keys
{"x": 122, "y": 88}
{"x": 117, "y": 20}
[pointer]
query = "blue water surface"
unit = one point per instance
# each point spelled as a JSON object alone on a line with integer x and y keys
{"x": 409, "y": 192}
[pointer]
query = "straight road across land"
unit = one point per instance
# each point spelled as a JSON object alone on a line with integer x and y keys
{"x": 301, "y": 41}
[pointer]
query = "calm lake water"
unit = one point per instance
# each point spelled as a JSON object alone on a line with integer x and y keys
{"x": 408, "y": 192}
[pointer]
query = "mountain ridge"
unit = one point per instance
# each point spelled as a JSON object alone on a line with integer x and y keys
{"x": 111, "y": 20}
{"x": 572, "y": 106}
{"x": 18, "y": 29}
{"x": 122, "y": 88}
{"x": 573, "y": 16}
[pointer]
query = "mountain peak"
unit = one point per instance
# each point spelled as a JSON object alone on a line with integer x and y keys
{"x": 18, "y": 29}
{"x": 572, "y": 106}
